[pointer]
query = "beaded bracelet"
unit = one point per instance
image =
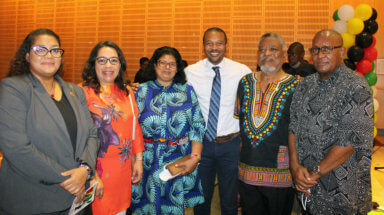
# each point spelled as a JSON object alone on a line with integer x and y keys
{"x": 88, "y": 170}
{"x": 196, "y": 155}
{"x": 139, "y": 158}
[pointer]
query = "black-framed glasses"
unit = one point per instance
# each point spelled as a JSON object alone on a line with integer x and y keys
{"x": 42, "y": 51}
{"x": 323, "y": 49}
{"x": 164, "y": 64}
{"x": 104, "y": 60}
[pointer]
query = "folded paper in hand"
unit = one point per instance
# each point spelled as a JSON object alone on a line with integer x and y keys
{"x": 88, "y": 199}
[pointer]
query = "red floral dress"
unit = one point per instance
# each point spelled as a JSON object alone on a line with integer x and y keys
{"x": 115, "y": 116}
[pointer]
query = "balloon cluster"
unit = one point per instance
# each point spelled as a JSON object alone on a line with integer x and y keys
{"x": 357, "y": 27}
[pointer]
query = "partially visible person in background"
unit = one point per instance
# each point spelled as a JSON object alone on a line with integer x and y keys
{"x": 173, "y": 128}
{"x": 296, "y": 64}
{"x": 114, "y": 112}
{"x": 139, "y": 77}
{"x": 47, "y": 137}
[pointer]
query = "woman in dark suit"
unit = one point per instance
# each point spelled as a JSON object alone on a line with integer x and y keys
{"x": 47, "y": 136}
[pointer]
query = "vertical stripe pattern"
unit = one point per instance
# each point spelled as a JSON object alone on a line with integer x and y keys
{"x": 214, "y": 106}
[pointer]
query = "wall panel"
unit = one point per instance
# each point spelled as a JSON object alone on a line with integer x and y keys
{"x": 141, "y": 26}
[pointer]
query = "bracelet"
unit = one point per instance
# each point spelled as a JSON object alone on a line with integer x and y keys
{"x": 139, "y": 158}
{"x": 196, "y": 155}
{"x": 89, "y": 170}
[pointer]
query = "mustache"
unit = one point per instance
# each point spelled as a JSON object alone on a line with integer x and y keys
{"x": 267, "y": 58}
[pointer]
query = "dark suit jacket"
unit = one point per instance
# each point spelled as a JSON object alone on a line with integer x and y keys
{"x": 37, "y": 147}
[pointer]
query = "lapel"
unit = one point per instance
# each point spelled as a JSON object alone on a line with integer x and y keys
{"x": 72, "y": 97}
{"x": 52, "y": 110}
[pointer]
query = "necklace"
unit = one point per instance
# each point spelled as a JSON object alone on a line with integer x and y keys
{"x": 53, "y": 89}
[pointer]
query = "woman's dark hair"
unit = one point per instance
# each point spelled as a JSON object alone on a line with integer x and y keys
{"x": 150, "y": 73}
{"x": 19, "y": 65}
{"x": 89, "y": 73}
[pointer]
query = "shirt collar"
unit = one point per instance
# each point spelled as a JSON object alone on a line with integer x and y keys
{"x": 160, "y": 86}
{"x": 332, "y": 78}
{"x": 210, "y": 65}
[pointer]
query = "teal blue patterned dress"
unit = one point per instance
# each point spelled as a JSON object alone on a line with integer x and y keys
{"x": 170, "y": 118}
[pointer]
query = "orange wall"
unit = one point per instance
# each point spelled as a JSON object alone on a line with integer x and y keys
{"x": 139, "y": 27}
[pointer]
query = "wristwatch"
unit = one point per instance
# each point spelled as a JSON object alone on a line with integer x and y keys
{"x": 316, "y": 169}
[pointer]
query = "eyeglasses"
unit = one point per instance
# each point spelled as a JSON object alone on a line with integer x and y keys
{"x": 164, "y": 64}
{"x": 42, "y": 51}
{"x": 104, "y": 60}
{"x": 323, "y": 49}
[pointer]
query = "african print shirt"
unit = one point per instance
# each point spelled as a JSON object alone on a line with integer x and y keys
{"x": 170, "y": 118}
{"x": 337, "y": 111}
{"x": 264, "y": 120}
{"x": 171, "y": 112}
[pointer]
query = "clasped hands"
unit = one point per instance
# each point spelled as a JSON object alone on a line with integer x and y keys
{"x": 303, "y": 179}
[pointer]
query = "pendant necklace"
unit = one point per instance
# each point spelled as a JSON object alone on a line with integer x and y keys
{"x": 53, "y": 89}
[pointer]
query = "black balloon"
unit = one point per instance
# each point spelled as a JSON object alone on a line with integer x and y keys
{"x": 350, "y": 64}
{"x": 364, "y": 39}
{"x": 370, "y": 26}
{"x": 355, "y": 53}
{"x": 374, "y": 14}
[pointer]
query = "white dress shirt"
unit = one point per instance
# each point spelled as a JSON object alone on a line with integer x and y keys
{"x": 200, "y": 75}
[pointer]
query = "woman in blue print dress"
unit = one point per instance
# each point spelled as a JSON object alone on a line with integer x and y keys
{"x": 173, "y": 127}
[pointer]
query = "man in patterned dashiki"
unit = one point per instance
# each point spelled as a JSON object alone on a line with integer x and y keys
{"x": 215, "y": 81}
{"x": 331, "y": 134}
{"x": 262, "y": 105}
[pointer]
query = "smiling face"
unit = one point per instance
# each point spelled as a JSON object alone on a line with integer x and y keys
{"x": 43, "y": 67}
{"x": 270, "y": 55}
{"x": 166, "y": 68}
{"x": 107, "y": 73}
{"x": 214, "y": 46}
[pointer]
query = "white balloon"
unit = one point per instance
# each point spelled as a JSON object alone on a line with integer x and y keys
{"x": 375, "y": 105}
{"x": 346, "y": 12}
{"x": 340, "y": 26}
{"x": 374, "y": 91}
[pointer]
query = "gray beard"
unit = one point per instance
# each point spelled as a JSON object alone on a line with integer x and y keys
{"x": 268, "y": 69}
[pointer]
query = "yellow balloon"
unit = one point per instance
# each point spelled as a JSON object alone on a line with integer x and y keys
{"x": 348, "y": 40}
{"x": 355, "y": 26}
{"x": 374, "y": 91}
{"x": 375, "y": 118}
{"x": 375, "y": 105}
{"x": 374, "y": 132}
{"x": 363, "y": 12}
{"x": 346, "y": 55}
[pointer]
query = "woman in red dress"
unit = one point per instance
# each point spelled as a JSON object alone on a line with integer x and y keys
{"x": 114, "y": 113}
